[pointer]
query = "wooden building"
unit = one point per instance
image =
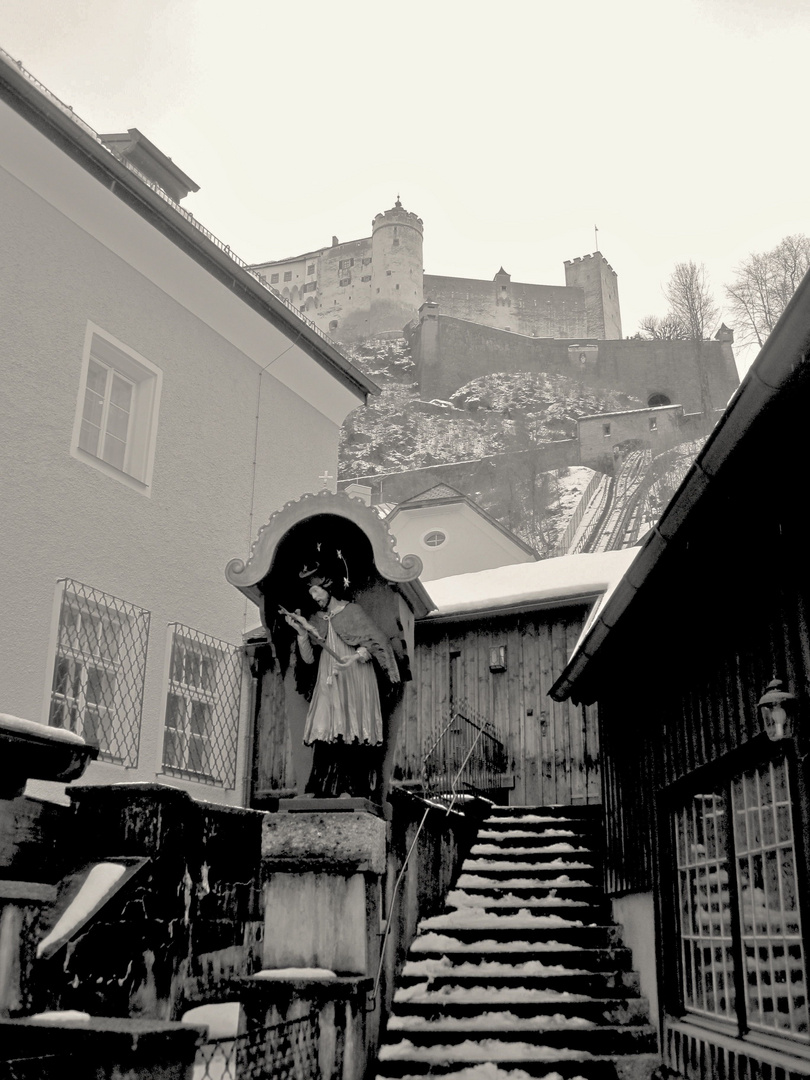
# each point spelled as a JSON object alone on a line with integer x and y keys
{"x": 705, "y": 774}
{"x": 491, "y": 650}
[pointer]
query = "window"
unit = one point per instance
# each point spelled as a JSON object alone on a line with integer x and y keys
{"x": 366, "y": 277}
{"x": 98, "y": 675}
{"x": 274, "y": 279}
{"x": 310, "y": 286}
{"x": 288, "y": 275}
{"x": 606, "y": 430}
{"x": 202, "y": 708}
{"x": 311, "y": 268}
{"x": 396, "y": 286}
{"x": 433, "y": 539}
{"x": 367, "y": 262}
{"x": 653, "y": 423}
{"x": 115, "y": 426}
{"x": 345, "y": 264}
{"x": 738, "y": 904}
{"x": 388, "y": 273}
{"x": 345, "y": 281}
{"x": 395, "y": 243}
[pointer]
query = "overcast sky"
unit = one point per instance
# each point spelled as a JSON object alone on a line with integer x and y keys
{"x": 511, "y": 128}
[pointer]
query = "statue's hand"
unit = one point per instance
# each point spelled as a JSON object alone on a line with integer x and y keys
{"x": 363, "y": 654}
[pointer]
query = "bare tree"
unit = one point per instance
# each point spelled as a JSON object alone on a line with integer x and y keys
{"x": 763, "y": 285}
{"x": 691, "y": 301}
{"x": 668, "y": 328}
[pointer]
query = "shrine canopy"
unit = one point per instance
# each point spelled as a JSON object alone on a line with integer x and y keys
{"x": 333, "y": 529}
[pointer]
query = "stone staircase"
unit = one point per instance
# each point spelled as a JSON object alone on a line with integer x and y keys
{"x": 525, "y": 973}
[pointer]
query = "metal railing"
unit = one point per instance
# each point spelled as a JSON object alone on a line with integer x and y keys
{"x": 567, "y": 538}
{"x": 285, "y": 1051}
{"x": 483, "y": 758}
{"x": 466, "y": 754}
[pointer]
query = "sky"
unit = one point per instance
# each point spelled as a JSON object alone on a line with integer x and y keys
{"x": 511, "y": 129}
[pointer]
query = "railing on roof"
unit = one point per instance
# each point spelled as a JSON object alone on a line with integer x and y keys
{"x": 67, "y": 110}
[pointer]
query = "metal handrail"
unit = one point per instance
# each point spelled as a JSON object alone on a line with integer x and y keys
{"x": 372, "y": 1000}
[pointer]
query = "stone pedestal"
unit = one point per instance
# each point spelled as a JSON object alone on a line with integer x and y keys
{"x": 322, "y": 877}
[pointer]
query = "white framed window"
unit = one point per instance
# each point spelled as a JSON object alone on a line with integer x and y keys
{"x": 434, "y": 538}
{"x": 115, "y": 427}
{"x": 202, "y": 708}
{"x": 99, "y": 669}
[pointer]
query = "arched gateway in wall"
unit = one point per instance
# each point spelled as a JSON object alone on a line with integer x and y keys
{"x": 347, "y": 535}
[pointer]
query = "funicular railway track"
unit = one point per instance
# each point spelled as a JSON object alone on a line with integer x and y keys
{"x": 620, "y": 505}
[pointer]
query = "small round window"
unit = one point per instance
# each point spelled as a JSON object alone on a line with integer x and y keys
{"x": 434, "y": 538}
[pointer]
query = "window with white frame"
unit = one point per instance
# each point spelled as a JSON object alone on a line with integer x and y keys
{"x": 742, "y": 957}
{"x": 99, "y": 669}
{"x": 202, "y": 708}
{"x": 115, "y": 428}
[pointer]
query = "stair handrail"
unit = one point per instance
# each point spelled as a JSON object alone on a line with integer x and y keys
{"x": 371, "y": 1001}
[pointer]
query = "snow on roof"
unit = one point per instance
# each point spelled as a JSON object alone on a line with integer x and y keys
{"x": 17, "y": 725}
{"x": 525, "y": 584}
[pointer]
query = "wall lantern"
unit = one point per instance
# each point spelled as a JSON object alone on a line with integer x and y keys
{"x": 777, "y": 707}
{"x": 497, "y": 658}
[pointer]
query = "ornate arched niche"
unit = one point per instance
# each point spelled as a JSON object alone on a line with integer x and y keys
{"x": 349, "y": 538}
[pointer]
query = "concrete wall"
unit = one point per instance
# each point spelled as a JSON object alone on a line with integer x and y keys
{"x": 658, "y": 429}
{"x": 472, "y": 543}
{"x": 636, "y": 915}
{"x": 450, "y": 352}
{"x": 546, "y": 311}
{"x": 76, "y": 254}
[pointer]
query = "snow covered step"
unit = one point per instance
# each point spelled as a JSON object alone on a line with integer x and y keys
{"x": 582, "y": 983}
{"x": 435, "y": 946}
{"x": 529, "y": 1003}
{"x": 545, "y": 814}
{"x": 549, "y": 901}
{"x": 473, "y": 924}
{"x": 541, "y": 852}
{"x": 563, "y": 1034}
{"x": 403, "y": 1059}
{"x": 541, "y": 872}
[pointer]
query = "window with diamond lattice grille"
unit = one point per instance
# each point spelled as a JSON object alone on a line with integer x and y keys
{"x": 742, "y": 955}
{"x": 98, "y": 677}
{"x": 202, "y": 708}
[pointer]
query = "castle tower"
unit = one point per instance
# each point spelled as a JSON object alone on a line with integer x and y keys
{"x": 396, "y": 270}
{"x": 597, "y": 278}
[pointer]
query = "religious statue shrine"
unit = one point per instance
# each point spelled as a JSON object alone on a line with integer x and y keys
{"x": 332, "y": 655}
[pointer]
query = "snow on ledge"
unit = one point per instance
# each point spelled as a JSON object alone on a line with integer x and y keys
{"x": 16, "y": 724}
{"x": 294, "y": 973}
{"x": 524, "y": 584}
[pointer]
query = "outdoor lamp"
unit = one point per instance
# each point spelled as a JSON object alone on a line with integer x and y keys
{"x": 777, "y": 707}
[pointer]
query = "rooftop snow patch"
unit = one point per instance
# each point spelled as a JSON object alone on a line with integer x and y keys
{"x": 18, "y": 726}
{"x": 525, "y": 584}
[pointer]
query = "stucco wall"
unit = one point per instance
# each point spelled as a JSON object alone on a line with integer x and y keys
{"x": 63, "y": 518}
{"x": 472, "y": 542}
{"x": 598, "y": 435}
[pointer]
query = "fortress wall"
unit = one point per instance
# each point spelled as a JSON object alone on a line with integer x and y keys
{"x": 598, "y": 281}
{"x": 533, "y": 310}
{"x": 470, "y": 477}
{"x": 450, "y": 352}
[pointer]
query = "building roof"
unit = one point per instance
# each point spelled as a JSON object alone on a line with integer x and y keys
{"x": 57, "y": 121}
{"x": 782, "y": 363}
{"x": 443, "y": 494}
{"x": 526, "y": 586}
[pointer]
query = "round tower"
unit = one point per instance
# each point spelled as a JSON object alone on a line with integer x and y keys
{"x": 396, "y": 270}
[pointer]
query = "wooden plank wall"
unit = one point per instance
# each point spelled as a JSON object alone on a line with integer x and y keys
{"x": 552, "y": 747}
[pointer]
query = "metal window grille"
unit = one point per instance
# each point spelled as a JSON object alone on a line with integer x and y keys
{"x": 98, "y": 677}
{"x": 757, "y": 863}
{"x": 202, "y": 708}
{"x": 767, "y": 883}
{"x": 286, "y": 1051}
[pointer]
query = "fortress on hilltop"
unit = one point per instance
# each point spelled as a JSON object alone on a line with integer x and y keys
{"x": 462, "y": 328}
{"x": 375, "y": 286}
